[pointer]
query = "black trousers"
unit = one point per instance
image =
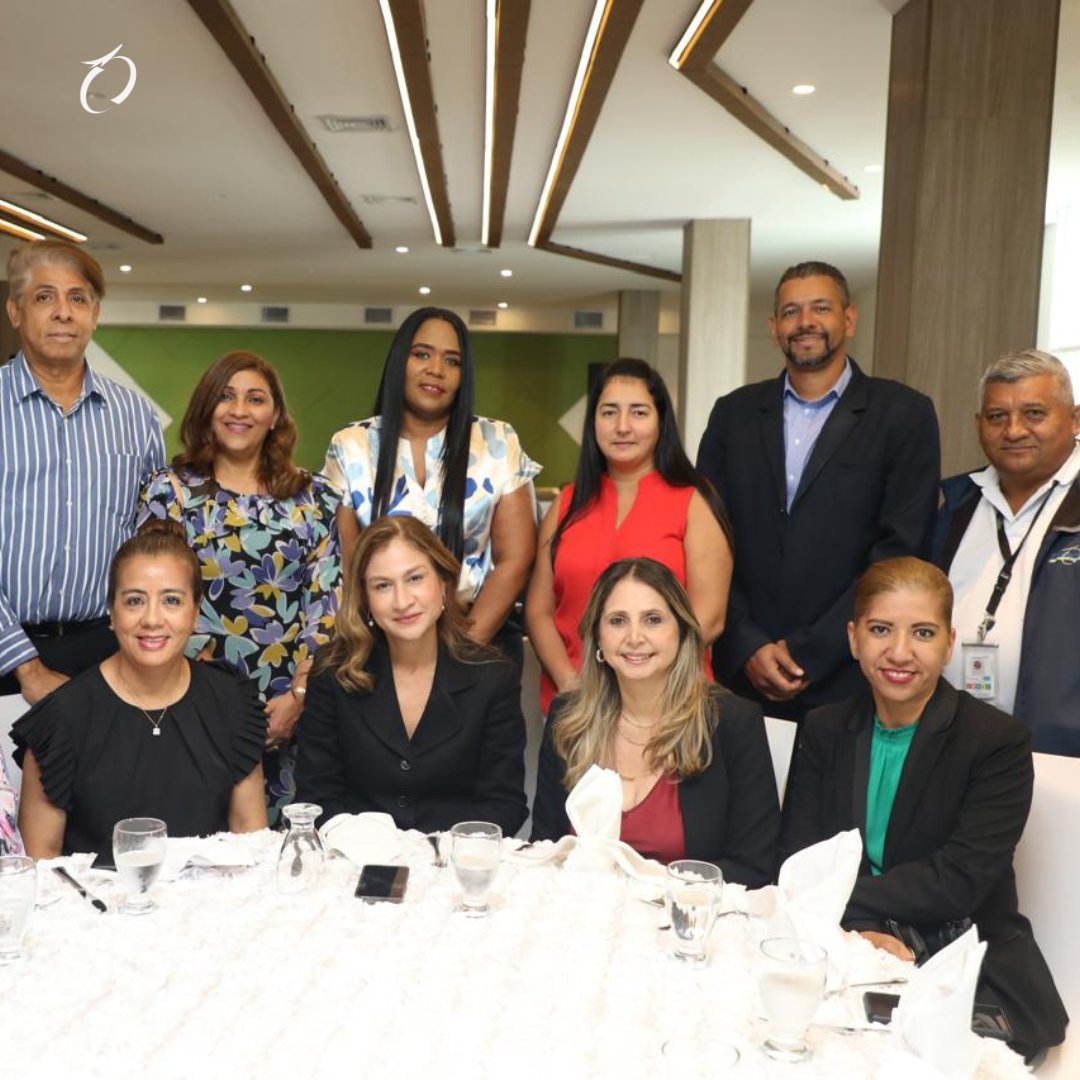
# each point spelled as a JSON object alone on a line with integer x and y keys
{"x": 69, "y": 653}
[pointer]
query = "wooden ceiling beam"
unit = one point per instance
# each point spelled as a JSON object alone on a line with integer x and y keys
{"x": 693, "y": 57}
{"x": 406, "y": 22}
{"x": 219, "y": 17}
{"x": 511, "y": 19}
{"x": 26, "y": 172}
{"x": 609, "y": 260}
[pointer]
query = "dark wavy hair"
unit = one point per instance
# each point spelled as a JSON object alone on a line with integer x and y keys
{"x": 157, "y": 539}
{"x": 669, "y": 457}
{"x": 277, "y": 471}
{"x": 390, "y": 408}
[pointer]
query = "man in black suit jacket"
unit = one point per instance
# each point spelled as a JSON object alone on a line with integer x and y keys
{"x": 824, "y": 471}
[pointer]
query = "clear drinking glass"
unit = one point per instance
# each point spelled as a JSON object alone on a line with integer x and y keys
{"x": 791, "y": 982}
{"x": 475, "y": 850}
{"x": 693, "y": 898}
{"x": 301, "y": 860}
{"x": 18, "y": 894}
{"x": 139, "y": 852}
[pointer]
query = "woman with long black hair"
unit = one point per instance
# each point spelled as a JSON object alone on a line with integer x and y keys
{"x": 425, "y": 454}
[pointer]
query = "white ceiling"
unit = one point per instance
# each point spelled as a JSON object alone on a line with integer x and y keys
{"x": 191, "y": 155}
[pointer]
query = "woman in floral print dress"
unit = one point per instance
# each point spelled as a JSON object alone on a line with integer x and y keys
{"x": 265, "y": 534}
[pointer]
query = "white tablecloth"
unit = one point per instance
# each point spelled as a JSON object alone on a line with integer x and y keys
{"x": 568, "y": 978}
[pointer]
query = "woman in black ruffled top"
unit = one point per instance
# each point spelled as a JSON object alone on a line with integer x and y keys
{"x": 148, "y": 733}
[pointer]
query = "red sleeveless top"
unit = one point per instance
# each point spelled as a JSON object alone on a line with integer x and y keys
{"x": 654, "y": 828}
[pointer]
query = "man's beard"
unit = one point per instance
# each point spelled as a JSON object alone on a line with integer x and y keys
{"x": 811, "y": 363}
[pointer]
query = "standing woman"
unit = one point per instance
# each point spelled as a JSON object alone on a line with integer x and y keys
{"x": 266, "y": 537}
{"x": 426, "y": 455}
{"x": 635, "y": 494}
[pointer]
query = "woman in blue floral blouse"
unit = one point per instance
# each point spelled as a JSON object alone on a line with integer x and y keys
{"x": 265, "y": 534}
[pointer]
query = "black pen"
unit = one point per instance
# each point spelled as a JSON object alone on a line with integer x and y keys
{"x": 62, "y": 873}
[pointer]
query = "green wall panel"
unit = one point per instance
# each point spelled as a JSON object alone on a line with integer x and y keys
{"x": 331, "y": 377}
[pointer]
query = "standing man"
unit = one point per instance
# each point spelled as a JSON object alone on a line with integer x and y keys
{"x": 1009, "y": 538}
{"x": 74, "y": 450}
{"x": 824, "y": 470}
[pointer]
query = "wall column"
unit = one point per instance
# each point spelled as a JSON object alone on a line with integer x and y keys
{"x": 639, "y": 324}
{"x": 713, "y": 321}
{"x": 971, "y": 88}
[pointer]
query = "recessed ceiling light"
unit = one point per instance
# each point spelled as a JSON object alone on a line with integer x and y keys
{"x": 245, "y": 288}
{"x": 506, "y": 273}
{"x": 873, "y": 168}
{"x": 803, "y": 88}
{"x": 503, "y": 305}
{"x": 125, "y": 268}
{"x": 425, "y": 290}
{"x": 401, "y": 249}
{"x": 202, "y": 300}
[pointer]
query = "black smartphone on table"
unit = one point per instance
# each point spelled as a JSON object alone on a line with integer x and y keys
{"x": 382, "y": 883}
{"x": 989, "y": 1021}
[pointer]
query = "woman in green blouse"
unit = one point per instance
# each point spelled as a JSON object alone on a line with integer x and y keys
{"x": 939, "y": 784}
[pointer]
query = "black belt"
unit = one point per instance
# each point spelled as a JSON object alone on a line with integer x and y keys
{"x": 63, "y": 629}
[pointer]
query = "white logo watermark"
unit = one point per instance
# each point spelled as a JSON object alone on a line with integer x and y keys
{"x": 96, "y": 68}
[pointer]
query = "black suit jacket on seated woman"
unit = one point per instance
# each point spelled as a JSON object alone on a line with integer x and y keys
{"x": 464, "y": 762}
{"x": 960, "y": 810}
{"x": 730, "y": 812}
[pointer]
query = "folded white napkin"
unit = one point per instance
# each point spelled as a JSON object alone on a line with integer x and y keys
{"x": 362, "y": 838}
{"x": 933, "y": 1020}
{"x": 594, "y": 808}
{"x": 210, "y": 851}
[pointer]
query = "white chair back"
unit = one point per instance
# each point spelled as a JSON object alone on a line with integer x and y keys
{"x": 534, "y": 727}
{"x": 1048, "y": 881}
{"x": 781, "y": 735}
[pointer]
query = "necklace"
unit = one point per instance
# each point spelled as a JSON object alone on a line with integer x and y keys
{"x": 155, "y": 724}
{"x": 633, "y": 742}
{"x": 634, "y": 723}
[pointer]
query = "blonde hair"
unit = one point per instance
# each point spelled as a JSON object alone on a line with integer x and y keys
{"x": 904, "y": 572}
{"x": 689, "y": 709}
{"x": 354, "y": 639}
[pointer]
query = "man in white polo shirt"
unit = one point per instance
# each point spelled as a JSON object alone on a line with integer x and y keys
{"x": 1009, "y": 538}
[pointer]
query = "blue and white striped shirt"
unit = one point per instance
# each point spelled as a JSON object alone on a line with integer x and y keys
{"x": 69, "y": 485}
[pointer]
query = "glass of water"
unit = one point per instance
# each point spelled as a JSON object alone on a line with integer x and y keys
{"x": 301, "y": 858}
{"x": 791, "y": 982}
{"x": 693, "y": 900}
{"x": 18, "y": 894}
{"x": 139, "y": 852}
{"x": 475, "y": 850}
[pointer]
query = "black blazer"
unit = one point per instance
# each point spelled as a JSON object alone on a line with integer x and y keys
{"x": 465, "y": 761}
{"x": 960, "y": 810}
{"x": 868, "y": 492}
{"x": 730, "y": 812}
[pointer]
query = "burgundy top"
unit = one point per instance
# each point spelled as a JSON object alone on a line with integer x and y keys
{"x": 654, "y": 828}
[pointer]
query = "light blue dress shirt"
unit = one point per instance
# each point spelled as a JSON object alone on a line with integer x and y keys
{"x": 803, "y": 421}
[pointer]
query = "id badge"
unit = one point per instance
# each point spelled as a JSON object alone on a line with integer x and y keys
{"x": 980, "y": 663}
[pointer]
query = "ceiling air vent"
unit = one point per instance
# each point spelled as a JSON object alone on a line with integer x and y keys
{"x": 481, "y": 317}
{"x": 378, "y": 316}
{"x": 275, "y": 314}
{"x": 171, "y": 313}
{"x": 588, "y": 320}
{"x": 361, "y": 125}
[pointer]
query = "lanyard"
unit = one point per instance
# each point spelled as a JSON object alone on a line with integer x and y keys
{"x": 1009, "y": 558}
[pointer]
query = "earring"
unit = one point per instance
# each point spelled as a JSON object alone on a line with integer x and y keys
{"x": 599, "y": 656}
{"x": 370, "y": 620}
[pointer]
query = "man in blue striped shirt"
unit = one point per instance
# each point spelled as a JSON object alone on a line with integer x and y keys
{"x": 74, "y": 451}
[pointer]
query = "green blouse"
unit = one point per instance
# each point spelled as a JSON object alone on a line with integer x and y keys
{"x": 888, "y": 752}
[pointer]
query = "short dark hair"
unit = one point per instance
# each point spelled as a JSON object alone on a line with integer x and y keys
{"x": 157, "y": 539}
{"x": 812, "y": 269}
{"x": 25, "y": 257}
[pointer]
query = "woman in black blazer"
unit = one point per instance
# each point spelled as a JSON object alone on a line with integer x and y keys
{"x": 940, "y": 786}
{"x": 694, "y": 760}
{"x": 405, "y": 715}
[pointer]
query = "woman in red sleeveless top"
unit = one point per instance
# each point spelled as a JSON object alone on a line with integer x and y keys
{"x": 635, "y": 494}
{"x": 697, "y": 778}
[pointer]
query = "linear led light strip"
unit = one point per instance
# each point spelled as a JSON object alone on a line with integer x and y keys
{"x": 410, "y": 122}
{"x": 36, "y": 219}
{"x": 690, "y": 36}
{"x": 572, "y": 106}
{"x": 489, "y": 118}
{"x": 17, "y": 230}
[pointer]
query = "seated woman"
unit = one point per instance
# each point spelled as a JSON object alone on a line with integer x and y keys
{"x": 404, "y": 714}
{"x": 939, "y": 784}
{"x": 10, "y": 841}
{"x": 147, "y": 733}
{"x": 693, "y": 758}
{"x": 635, "y": 493}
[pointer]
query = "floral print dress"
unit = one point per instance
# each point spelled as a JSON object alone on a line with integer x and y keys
{"x": 10, "y": 841}
{"x": 271, "y": 569}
